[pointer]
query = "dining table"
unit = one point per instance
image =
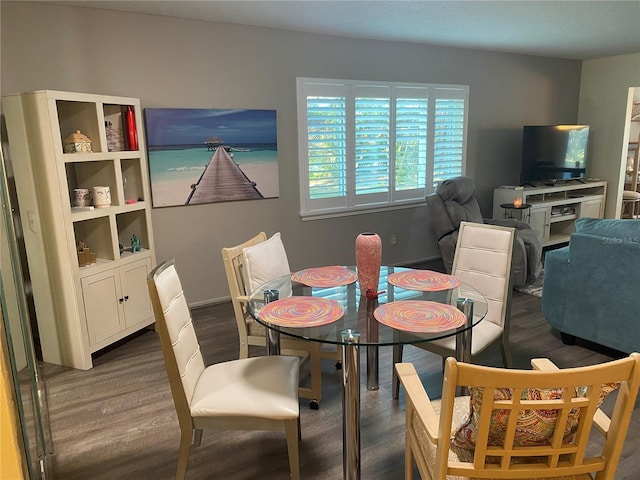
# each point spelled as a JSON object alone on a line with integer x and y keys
{"x": 325, "y": 304}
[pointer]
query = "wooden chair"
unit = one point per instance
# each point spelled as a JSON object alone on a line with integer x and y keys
{"x": 483, "y": 260}
{"x": 564, "y": 402}
{"x": 630, "y": 204}
{"x": 630, "y": 194}
{"x": 251, "y": 333}
{"x": 250, "y": 394}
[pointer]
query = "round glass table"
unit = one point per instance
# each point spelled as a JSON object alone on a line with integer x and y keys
{"x": 353, "y": 320}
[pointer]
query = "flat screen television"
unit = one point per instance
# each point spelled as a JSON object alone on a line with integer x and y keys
{"x": 553, "y": 153}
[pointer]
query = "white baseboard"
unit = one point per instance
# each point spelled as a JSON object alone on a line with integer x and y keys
{"x": 209, "y": 301}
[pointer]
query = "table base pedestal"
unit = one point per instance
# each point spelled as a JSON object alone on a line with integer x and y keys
{"x": 351, "y": 405}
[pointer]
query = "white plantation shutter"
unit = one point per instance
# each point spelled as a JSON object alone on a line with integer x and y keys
{"x": 371, "y": 132}
{"x": 449, "y": 136}
{"x": 411, "y": 142}
{"x": 365, "y": 145}
{"x": 326, "y": 146}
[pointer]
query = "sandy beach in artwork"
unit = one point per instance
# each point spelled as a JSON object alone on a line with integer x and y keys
{"x": 175, "y": 192}
{"x": 265, "y": 176}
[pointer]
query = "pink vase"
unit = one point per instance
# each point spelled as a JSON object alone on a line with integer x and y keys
{"x": 368, "y": 259}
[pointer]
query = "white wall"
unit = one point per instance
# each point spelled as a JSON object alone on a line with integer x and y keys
{"x": 168, "y": 62}
{"x": 605, "y": 104}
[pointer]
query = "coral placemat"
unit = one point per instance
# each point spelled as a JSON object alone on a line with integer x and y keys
{"x": 325, "y": 276}
{"x": 420, "y": 316}
{"x": 423, "y": 280}
{"x": 301, "y": 312}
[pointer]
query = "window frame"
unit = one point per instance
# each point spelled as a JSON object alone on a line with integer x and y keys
{"x": 350, "y": 203}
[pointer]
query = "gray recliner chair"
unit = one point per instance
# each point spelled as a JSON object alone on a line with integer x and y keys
{"x": 454, "y": 202}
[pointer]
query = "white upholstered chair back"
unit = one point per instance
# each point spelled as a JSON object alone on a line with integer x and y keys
{"x": 250, "y": 333}
{"x": 247, "y": 266}
{"x": 187, "y": 358}
{"x": 483, "y": 260}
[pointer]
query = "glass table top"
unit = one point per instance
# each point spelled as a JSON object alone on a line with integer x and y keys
{"x": 359, "y": 310}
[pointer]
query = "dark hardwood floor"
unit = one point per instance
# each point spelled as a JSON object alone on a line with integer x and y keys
{"x": 117, "y": 420}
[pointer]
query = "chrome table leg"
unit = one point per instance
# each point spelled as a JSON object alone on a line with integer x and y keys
{"x": 351, "y": 404}
{"x": 463, "y": 339}
{"x": 372, "y": 368}
{"x": 273, "y": 342}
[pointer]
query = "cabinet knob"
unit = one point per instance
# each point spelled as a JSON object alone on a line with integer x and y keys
{"x": 121, "y": 300}
{"x": 126, "y": 297}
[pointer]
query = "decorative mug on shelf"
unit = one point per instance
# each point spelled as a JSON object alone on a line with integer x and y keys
{"x": 101, "y": 197}
{"x": 81, "y": 197}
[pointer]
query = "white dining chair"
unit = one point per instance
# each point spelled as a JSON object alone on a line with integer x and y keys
{"x": 259, "y": 393}
{"x": 483, "y": 261}
{"x": 249, "y": 265}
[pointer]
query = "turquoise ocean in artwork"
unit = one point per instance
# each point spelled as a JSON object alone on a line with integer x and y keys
{"x": 178, "y": 164}
{"x": 175, "y": 169}
{"x": 188, "y": 163}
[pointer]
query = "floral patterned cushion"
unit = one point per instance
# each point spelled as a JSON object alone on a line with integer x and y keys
{"x": 456, "y": 454}
{"x": 534, "y": 427}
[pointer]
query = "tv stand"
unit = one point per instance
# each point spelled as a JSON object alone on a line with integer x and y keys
{"x": 555, "y": 208}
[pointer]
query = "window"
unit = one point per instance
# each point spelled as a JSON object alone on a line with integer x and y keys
{"x": 367, "y": 145}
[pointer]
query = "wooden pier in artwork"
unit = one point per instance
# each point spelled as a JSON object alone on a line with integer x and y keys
{"x": 222, "y": 181}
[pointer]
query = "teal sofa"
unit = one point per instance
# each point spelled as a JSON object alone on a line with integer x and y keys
{"x": 591, "y": 288}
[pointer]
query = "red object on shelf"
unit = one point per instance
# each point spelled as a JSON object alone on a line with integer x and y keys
{"x": 130, "y": 127}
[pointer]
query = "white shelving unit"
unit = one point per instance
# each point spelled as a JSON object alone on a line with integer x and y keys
{"x": 81, "y": 309}
{"x": 554, "y": 209}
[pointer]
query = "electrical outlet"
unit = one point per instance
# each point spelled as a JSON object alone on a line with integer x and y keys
{"x": 394, "y": 239}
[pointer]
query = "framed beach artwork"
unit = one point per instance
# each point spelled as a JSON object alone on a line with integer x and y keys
{"x": 201, "y": 156}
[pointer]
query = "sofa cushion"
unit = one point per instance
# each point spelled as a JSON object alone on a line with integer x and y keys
{"x": 608, "y": 227}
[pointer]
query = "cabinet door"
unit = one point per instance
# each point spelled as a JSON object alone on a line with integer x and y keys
{"x": 539, "y": 221}
{"x": 137, "y": 305}
{"x": 592, "y": 208}
{"x": 103, "y": 309}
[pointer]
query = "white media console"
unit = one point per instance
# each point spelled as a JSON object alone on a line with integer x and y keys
{"x": 554, "y": 209}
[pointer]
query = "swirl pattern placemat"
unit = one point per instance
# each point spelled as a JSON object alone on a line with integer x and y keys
{"x": 420, "y": 316}
{"x": 423, "y": 280}
{"x": 325, "y": 276}
{"x": 301, "y": 312}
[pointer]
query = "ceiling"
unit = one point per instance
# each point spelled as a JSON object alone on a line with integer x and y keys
{"x": 577, "y": 29}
